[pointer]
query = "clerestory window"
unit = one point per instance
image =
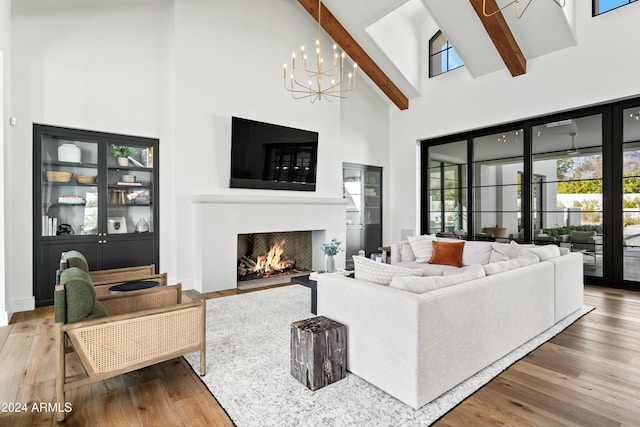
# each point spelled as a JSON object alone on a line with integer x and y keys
{"x": 602, "y": 6}
{"x": 442, "y": 56}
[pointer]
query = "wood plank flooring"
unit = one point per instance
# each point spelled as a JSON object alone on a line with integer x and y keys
{"x": 589, "y": 375}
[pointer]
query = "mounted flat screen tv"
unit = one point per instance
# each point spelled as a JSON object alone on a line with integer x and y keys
{"x": 273, "y": 157}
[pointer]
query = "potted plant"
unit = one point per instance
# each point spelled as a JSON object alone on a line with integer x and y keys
{"x": 330, "y": 250}
{"x": 122, "y": 153}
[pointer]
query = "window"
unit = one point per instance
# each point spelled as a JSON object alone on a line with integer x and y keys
{"x": 442, "y": 56}
{"x": 602, "y": 6}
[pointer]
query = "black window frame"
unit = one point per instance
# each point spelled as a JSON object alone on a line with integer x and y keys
{"x": 445, "y": 51}
{"x": 595, "y": 6}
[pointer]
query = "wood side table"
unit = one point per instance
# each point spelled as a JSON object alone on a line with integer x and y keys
{"x": 318, "y": 351}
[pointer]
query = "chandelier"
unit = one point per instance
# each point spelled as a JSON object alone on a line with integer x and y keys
{"x": 317, "y": 88}
{"x": 517, "y": 3}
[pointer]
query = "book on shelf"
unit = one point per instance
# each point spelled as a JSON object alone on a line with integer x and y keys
{"x": 71, "y": 200}
{"x": 135, "y": 162}
{"x": 49, "y": 225}
{"x": 129, "y": 184}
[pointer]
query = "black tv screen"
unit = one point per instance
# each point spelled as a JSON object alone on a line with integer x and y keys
{"x": 269, "y": 156}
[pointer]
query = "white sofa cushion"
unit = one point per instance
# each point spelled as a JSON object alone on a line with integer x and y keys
{"x": 506, "y": 251}
{"x": 420, "y": 285}
{"x": 380, "y": 273}
{"x": 543, "y": 252}
{"x": 422, "y": 247}
{"x": 476, "y": 253}
{"x": 502, "y": 266}
{"x": 431, "y": 269}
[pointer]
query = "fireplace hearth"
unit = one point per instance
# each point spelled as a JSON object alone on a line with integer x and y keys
{"x": 271, "y": 255}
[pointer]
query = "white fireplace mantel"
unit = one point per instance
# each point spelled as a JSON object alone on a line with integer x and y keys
{"x": 218, "y": 219}
{"x": 260, "y": 200}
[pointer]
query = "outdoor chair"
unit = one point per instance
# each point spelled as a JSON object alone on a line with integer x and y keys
{"x": 587, "y": 242}
{"x": 119, "y": 333}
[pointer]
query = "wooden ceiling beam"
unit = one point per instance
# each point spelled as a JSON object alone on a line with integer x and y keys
{"x": 502, "y": 38}
{"x": 348, "y": 44}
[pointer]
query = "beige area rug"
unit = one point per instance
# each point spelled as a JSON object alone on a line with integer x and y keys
{"x": 248, "y": 369}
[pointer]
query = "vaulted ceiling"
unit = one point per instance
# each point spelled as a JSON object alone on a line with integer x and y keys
{"x": 394, "y": 34}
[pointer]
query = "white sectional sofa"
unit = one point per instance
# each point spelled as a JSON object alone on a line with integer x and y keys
{"x": 416, "y": 346}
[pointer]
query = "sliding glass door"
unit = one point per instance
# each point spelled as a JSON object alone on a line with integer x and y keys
{"x": 567, "y": 187}
{"x": 571, "y": 179}
{"x": 447, "y": 194}
{"x": 497, "y": 185}
{"x": 630, "y": 209}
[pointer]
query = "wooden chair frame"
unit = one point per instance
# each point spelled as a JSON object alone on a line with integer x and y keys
{"x": 104, "y": 279}
{"x": 143, "y": 328}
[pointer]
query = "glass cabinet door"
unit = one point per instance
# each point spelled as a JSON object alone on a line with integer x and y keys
{"x": 352, "y": 187}
{"x": 372, "y": 192}
{"x": 130, "y": 181}
{"x": 69, "y": 193}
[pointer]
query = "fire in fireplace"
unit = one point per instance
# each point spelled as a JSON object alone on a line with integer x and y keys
{"x": 288, "y": 253}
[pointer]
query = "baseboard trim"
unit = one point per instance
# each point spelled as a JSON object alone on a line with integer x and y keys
{"x": 23, "y": 304}
{"x": 5, "y": 317}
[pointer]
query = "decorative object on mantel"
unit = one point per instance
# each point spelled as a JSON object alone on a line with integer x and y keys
{"x": 330, "y": 250}
{"x": 336, "y": 71}
{"x": 560, "y": 3}
{"x": 122, "y": 153}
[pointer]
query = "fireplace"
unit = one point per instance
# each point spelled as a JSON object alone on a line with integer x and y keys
{"x": 264, "y": 258}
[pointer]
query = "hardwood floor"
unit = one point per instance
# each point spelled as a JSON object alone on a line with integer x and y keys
{"x": 589, "y": 375}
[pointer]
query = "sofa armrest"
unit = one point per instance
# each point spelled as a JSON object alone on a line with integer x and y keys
{"x": 387, "y": 354}
{"x": 396, "y": 253}
{"x": 568, "y": 283}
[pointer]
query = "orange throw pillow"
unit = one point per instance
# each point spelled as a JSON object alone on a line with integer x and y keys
{"x": 447, "y": 253}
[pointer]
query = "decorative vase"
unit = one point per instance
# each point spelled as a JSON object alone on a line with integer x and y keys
{"x": 330, "y": 264}
{"x": 142, "y": 226}
{"x": 69, "y": 153}
{"x": 123, "y": 161}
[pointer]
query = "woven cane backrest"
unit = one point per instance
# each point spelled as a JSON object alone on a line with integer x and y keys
{"x": 114, "y": 346}
{"x": 142, "y": 300}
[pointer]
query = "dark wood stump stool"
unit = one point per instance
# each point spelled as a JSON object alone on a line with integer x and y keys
{"x": 318, "y": 351}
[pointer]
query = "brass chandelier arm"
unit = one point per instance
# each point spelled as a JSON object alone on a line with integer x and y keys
{"x": 333, "y": 91}
{"x": 315, "y": 89}
{"x": 517, "y": 3}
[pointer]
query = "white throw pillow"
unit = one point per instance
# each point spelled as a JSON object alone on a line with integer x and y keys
{"x": 380, "y": 273}
{"x": 543, "y": 252}
{"x": 422, "y": 247}
{"x": 476, "y": 253}
{"x": 406, "y": 254}
{"x": 420, "y": 285}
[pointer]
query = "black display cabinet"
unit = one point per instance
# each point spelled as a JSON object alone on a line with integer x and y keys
{"x": 85, "y": 198}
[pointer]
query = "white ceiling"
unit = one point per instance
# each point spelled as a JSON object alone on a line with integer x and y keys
{"x": 395, "y": 33}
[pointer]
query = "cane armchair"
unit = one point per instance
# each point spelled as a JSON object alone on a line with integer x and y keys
{"x": 119, "y": 333}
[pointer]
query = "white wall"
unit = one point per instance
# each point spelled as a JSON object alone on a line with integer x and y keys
{"x": 178, "y": 71}
{"x": 5, "y": 104}
{"x": 600, "y": 68}
{"x": 86, "y": 64}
